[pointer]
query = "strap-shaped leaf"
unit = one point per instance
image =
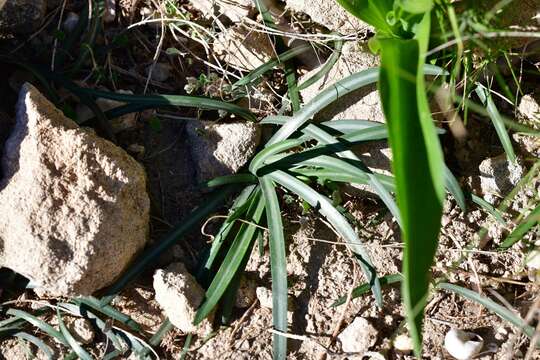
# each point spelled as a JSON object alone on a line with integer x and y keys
{"x": 334, "y": 217}
{"x": 77, "y": 348}
{"x": 232, "y": 261}
{"x": 278, "y": 265}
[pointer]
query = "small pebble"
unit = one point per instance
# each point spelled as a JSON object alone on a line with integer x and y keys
{"x": 403, "y": 343}
{"x": 463, "y": 345}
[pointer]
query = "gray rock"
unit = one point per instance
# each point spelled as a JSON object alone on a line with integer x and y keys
{"x": 179, "y": 294}
{"x": 75, "y": 206}
{"x": 21, "y": 16}
{"x": 498, "y": 176}
{"x": 329, "y": 14}
{"x": 221, "y": 149}
{"x": 358, "y": 337}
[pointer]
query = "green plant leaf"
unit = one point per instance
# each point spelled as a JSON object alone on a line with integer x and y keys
{"x": 418, "y": 167}
{"x": 416, "y": 6}
{"x": 522, "y": 229}
{"x": 40, "y": 324}
{"x": 46, "y": 349}
{"x": 232, "y": 261}
{"x": 278, "y": 266}
{"x": 373, "y": 12}
{"x": 497, "y": 121}
{"x": 77, "y": 348}
{"x": 214, "y": 201}
{"x": 364, "y": 288}
{"x": 338, "y": 221}
{"x": 500, "y": 310}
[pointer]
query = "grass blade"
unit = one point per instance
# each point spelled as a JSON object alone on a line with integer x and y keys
{"x": 269, "y": 65}
{"x": 453, "y": 188}
{"x": 37, "y": 342}
{"x": 500, "y": 310}
{"x": 232, "y": 261}
{"x": 490, "y": 209}
{"x": 278, "y": 266}
{"x": 40, "y": 324}
{"x": 364, "y": 288}
{"x": 328, "y": 65}
{"x": 108, "y": 310}
{"x": 497, "y": 121}
{"x": 333, "y": 93}
{"x": 77, "y": 348}
{"x": 522, "y": 229}
{"x": 340, "y": 223}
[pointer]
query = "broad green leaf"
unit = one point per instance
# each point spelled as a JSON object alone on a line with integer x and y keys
{"x": 418, "y": 168}
{"x": 278, "y": 266}
{"x": 373, "y": 12}
{"x": 416, "y": 6}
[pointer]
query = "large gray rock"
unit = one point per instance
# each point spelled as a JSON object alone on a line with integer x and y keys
{"x": 21, "y": 16}
{"x": 75, "y": 208}
{"x": 179, "y": 294}
{"x": 330, "y": 14}
{"x": 221, "y": 149}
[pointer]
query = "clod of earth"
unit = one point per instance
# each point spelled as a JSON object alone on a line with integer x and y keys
{"x": 358, "y": 337}
{"x": 76, "y": 210}
{"x": 179, "y": 294}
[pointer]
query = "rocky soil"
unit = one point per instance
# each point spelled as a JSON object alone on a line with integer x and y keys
{"x": 78, "y": 209}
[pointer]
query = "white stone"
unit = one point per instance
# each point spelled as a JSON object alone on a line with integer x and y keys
{"x": 235, "y": 10}
{"x": 75, "y": 207}
{"x": 403, "y": 343}
{"x": 243, "y": 48}
{"x": 358, "y": 337}
{"x": 264, "y": 296}
{"x": 179, "y": 294}
{"x": 330, "y": 14}
{"x": 462, "y": 345}
{"x": 221, "y": 149}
